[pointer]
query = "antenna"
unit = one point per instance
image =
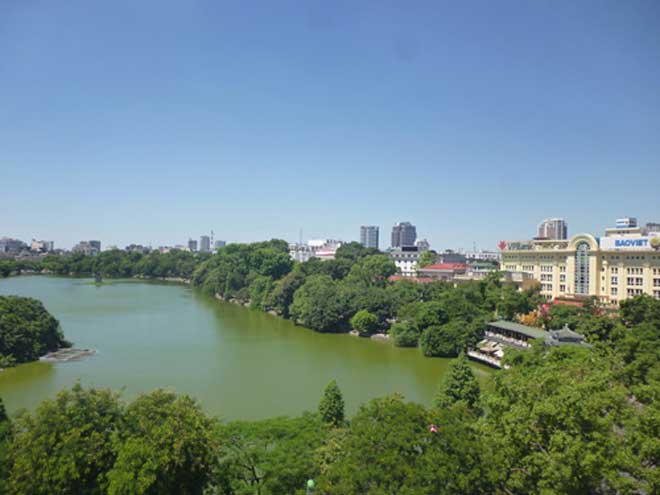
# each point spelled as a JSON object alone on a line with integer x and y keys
{"x": 300, "y": 239}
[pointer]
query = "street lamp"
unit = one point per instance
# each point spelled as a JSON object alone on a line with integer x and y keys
{"x": 311, "y": 487}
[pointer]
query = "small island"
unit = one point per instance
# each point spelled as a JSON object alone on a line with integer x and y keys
{"x": 27, "y": 331}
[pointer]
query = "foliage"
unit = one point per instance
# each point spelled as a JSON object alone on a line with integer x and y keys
{"x": 404, "y": 334}
{"x": 316, "y": 304}
{"x": 446, "y": 340}
{"x": 365, "y": 322}
{"x": 427, "y": 258}
{"x": 331, "y": 407}
{"x": 353, "y": 251}
{"x": 167, "y": 445}
{"x": 66, "y": 445}
{"x": 269, "y": 457}
{"x": 458, "y": 385}
{"x": 27, "y": 331}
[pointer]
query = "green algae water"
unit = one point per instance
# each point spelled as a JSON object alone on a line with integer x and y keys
{"x": 238, "y": 363}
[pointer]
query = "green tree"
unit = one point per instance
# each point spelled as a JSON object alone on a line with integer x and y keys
{"x": 5, "y": 445}
{"x": 446, "y": 340}
{"x": 364, "y": 322}
{"x": 640, "y": 309}
{"x": 353, "y": 251}
{"x": 272, "y": 456}
{"x": 427, "y": 258}
{"x": 404, "y": 334}
{"x": 167, "y": 446}
{"x": 65, "y": 446}
{"x": 331, "y": 406}
{"x": 458, "y": 384}
{"x": 27, "y": 330}
{"x": 316, "y": 304}
{"x": 372, "y": 271}
{"x": 429, "y": 314}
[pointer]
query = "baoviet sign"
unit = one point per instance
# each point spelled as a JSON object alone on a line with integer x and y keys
{"x": 627, "y": 243}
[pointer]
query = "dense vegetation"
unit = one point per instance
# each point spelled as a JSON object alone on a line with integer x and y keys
{"x": 350, "y": 292}
{"x": 27, "y": 331}
{"x": 567, "y": 420}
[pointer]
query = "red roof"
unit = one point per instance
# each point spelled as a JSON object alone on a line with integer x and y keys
{"x": 454, "y": 267}
{"x": 419, "y": 280}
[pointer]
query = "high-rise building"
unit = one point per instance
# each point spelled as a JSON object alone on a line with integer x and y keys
{"x": 652, "y": 227}
{"x": 87, "y": 247}
{"x": 404, "y": 234}
{"x": 553, "y": 228}
{"x": 42, "y": 246}
{"x": 369, "y": 236}
{"x": 192, "y": 245}
{"x": 626, "y": 223}
{"x": 205, "y": 244}
{"x": 219, "y": 244}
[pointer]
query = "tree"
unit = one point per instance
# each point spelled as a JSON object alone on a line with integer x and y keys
{"x": 446, "y": 340}
{"x": 270, "y": 456}
{"x": 316, "y": 304}
{"x": 27, "y": 330}
{"x": 404, "y": 334}
{"x": 556, "y": 424}
{"x": 389, "y": 450}
{"x": 458, "y": 384}
{"x": 640, "y": 309}
{"x": 365, "y": 322}
{"x": 5, "y": 445}
{"x": 372, "y": 271}
{"x": 427, "y": 258}
{"x": 353, "y": 251}
{"x": 331, "y": 406}
{"x": 167, "y": 446}
{"x": 429, "y": 314}
{"x": 66, "y": 445}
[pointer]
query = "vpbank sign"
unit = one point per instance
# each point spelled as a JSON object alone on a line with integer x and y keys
{"x": 641, "y": 243}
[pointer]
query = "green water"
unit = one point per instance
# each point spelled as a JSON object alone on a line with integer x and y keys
{"x": 237, "y": 362}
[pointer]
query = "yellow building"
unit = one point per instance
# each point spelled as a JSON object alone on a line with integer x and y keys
{"x": 622, "y": 264}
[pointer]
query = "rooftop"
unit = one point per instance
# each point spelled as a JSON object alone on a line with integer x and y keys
{"x": 511, "y": 326}
{"x": 446, "y": 266}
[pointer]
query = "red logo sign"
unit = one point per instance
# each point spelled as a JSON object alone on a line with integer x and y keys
{"x": 501, "y": 244}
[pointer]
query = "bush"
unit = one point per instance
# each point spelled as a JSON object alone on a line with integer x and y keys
{"x": 444, "y": 341}
{"x": 404, "y": 334}
{"x": 364, "y": 322}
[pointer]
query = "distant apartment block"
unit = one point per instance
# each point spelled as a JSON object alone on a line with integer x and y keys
{"x": 89, "y": 248}
{"x": 404, "y": 234}
{"x": 192, "y": 245}
{"x": 205, "y": 244}
{"x": 11, "y": 246}
{"x": 219, "y": 244}
{"x": 553, "y": 228}
{"x": 369, "y": 236}
{"x": 42, "y": 246}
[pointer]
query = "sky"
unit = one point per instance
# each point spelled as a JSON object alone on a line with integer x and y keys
{"x": 155, "y": 121}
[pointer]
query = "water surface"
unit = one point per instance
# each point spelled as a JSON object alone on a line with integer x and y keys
{"x": 237, "y": 362}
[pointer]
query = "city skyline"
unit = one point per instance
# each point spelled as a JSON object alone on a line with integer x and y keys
{"x": 329, "y": 118}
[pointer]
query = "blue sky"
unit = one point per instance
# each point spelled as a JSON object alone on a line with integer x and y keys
{"x": 153, "y": 121}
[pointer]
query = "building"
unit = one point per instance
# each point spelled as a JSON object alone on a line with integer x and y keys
{"x": 622, "y": 264}
{"x": 324, "y": 249}
{"x": 553, "y": 228}
{"x": 192, "y": 245}
{"x": 219, "y": 244}
{"x": 89, "y": 248}
{"x": 369, "y": 236}
{"x": 449, "y": 256}
{"x": 406, "y": 259}
{"x": 404, "y": 234}
{"x": 652, "y": 227}
{"x": 500, "y": 335}
{"x": 42, "y": 246}
{"x": 626, "y": 223}
{"x": 442, "y": 271}
{"x": 423, "y": 244}
{"x": 205, "y": 244}
{"x": 11, "y": 246}
{"x": 483, "y": 256}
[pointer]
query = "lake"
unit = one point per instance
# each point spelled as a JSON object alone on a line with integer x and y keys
{"x": 239, "y": 363}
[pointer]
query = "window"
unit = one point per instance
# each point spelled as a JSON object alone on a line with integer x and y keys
{"x": 562, "y": 278}
{"x": 582, "y": 268}
{"x": 562, "y": 288}
{"x": 614, "y": 280}
{"x": 614, "y": 291}
{"x": 562, "y": 269}
{"x": 614, "y": 270}
{"x": 634, "y": 292}
{"x": 634, "y": 271}
{"x": 546, "y": 277}
{"x": 546, "y": 268}
{"x": 656, "y": 282}
{"x": 656, "y": 294}
{"x": 639, "y": 281}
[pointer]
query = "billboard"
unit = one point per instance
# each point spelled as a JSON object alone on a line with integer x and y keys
{"x": 630, "y": 243}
